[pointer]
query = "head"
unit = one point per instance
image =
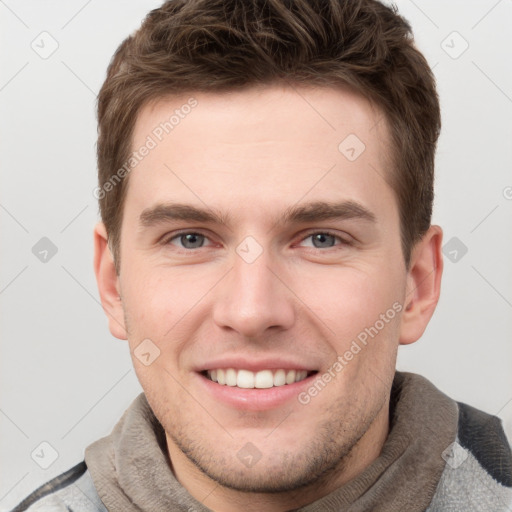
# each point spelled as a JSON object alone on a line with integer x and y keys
{"x": 266, "y": 187}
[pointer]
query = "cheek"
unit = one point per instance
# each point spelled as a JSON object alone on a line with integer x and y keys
{"x": 349, "y": 300}
{"x": 361, "y": 308}
{"x": 166, "y": 306}
{"x": 156, "y": 300}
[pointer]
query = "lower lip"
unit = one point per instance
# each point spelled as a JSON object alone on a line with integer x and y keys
{"x": 255, "y": 399}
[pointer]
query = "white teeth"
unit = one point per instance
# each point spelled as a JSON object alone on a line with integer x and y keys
{"x": 264, "y": 379}
{"x": 280, "y": 378}
{"x": 231, "y": 379}
{"x": 260, "y": 380}
{"x": 245, "y": 379}
{"x": 290, "y": 377}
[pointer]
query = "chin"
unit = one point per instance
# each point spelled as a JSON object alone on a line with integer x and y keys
{"x": 270, "y": 469}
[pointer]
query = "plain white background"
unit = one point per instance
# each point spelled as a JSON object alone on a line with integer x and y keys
{"x": 64, "y": 379}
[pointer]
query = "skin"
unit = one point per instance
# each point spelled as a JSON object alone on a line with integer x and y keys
{"x": 252, "y": 154}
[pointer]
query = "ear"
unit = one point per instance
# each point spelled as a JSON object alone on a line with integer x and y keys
{"x": 423, "y": 285}
{"x": 108, "y": 283}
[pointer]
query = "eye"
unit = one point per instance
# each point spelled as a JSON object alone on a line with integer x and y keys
{"x": 189, "y": 240}
{"x": 323, "y": 240}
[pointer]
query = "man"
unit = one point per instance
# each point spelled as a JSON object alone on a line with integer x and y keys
{"x": 266, "y": 188}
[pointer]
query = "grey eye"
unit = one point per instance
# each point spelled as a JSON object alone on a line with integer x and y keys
{"x": 192, "y": 240}
{"x": 321, "y": 240}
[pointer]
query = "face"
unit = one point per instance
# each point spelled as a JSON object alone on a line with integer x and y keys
{"x": 261, "y": 262}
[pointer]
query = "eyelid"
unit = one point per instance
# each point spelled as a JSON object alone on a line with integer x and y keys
{"x": 347, "y": 240}
{"x": 167, "y": 238}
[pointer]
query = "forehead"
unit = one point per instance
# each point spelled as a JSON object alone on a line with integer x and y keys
{"x": 266, "y": 147}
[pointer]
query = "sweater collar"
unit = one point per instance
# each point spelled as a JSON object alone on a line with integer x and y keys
{"x": 132, "y": 473}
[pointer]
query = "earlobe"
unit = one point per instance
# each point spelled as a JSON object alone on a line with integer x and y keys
{"x": 108, "y": 283}
{"x": 423, "y": 285}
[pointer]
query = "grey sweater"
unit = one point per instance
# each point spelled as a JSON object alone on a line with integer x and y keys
{"x": 440, "y": 455}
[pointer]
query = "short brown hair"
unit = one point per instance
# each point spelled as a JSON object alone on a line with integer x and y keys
{"x": 221, "y": 45}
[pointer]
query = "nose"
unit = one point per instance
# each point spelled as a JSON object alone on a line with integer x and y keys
{"x": 253, "y": 299}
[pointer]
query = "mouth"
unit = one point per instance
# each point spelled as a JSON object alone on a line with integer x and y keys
{"x": 262, "y": 384}
{"x": 262, "y": 379}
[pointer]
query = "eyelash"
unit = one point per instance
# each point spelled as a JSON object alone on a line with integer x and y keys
{"x": 344, "y": 242}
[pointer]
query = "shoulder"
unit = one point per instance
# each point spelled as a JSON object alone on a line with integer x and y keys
{"x": 478, "y": 471}
{"x": 483, "y": 436}
{"x": 71, "y": 491}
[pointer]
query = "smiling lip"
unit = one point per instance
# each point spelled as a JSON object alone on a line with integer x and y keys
{"x": 253, "y": 365}
{"x": 259, "y": 394}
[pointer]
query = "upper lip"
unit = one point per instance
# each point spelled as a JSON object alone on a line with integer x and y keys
{"x": 254, "y": 365}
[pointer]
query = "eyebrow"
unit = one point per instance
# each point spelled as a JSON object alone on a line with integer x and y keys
{"x": 310, "y": 212}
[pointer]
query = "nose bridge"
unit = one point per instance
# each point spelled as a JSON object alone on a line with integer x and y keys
{"x": 253, "y": 281}
{"x": 252, "y": 298}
